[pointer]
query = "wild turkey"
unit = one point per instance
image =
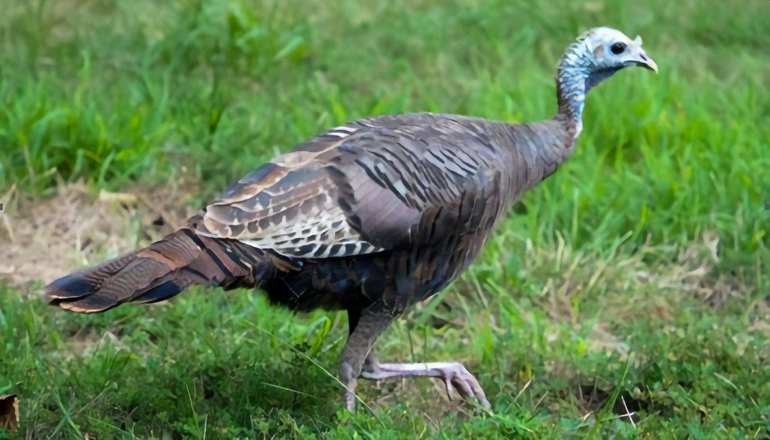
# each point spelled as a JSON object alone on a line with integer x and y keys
{"x": 369, "y": 217}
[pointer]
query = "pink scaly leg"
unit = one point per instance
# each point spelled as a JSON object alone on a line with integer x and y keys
{"x": 454, "y": 375}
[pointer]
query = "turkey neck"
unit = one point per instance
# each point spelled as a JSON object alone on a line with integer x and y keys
{"x": 572, "y": 83}
{"x": 540, "y": 148}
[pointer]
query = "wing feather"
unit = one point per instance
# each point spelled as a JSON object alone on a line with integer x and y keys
{"x": 357, "y": 189}
{"x": 291, "y": 205}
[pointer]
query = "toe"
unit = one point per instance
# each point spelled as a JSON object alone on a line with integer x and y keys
{"x": 469, "y": 386}
{"x": 350, "y": 401}
{"x": 463, "y": 386}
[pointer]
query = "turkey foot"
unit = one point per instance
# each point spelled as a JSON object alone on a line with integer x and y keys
{"x": 454, "y": 374}
{"x": 350, "y": 384}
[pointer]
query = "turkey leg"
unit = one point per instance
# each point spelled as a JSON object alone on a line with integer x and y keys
{"x": 365, "y": 326}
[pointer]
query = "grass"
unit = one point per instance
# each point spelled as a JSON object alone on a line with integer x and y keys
{"x": 633, "y": 280}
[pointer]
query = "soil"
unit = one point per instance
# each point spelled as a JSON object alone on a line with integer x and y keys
{"x": 44, "y": 239}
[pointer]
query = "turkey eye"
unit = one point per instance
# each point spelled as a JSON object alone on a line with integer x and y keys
{"x": 618, "y": 48}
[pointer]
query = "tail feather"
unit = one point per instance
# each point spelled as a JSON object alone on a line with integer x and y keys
{"x": 159, "y": 272}
{"x": 160, "y": 293}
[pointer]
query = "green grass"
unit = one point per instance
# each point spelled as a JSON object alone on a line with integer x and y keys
{"x": 638, "y": 273}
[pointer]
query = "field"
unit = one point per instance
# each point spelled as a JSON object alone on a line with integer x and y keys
{"x": 628, "y": 296}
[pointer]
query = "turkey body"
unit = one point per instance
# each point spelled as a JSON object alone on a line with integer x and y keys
{"x": 412, "y": 198}
{"x": 369, "y": 217}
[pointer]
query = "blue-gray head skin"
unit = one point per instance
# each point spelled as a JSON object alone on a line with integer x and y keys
{"x": 597, "y": 55}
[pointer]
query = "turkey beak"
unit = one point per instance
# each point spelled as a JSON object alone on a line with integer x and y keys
{"x": 641, "y": 59}
{"x": 646, "y": 62}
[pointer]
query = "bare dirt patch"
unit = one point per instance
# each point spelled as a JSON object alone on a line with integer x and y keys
{"x": 44, "y": 239}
